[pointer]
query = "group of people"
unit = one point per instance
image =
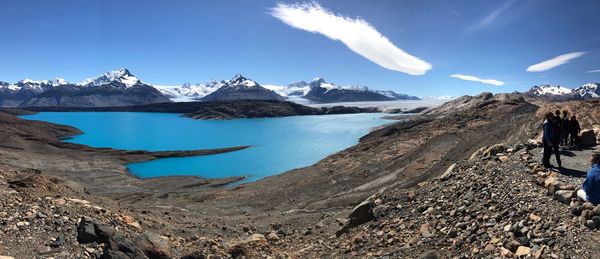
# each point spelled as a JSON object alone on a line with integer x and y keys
{"x": 564, "y": 131}
{"x": 559, "y": 131}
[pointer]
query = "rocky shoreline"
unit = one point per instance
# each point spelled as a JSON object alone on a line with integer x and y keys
{"x": 212, "y": 110}
{"x": 430, "y": 187}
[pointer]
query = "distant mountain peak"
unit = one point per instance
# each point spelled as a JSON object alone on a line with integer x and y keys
{"x": 119, "y": 77}
{"x": 318, "y": 80}
{"x": 238, "y": 78}
{"x": 240, "y": 81}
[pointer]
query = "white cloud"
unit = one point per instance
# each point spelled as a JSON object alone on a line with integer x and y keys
{"x": 356, "y": 34}
{"x": 477, "y": 79}
{"x": 594, "y": 71}
{"x": 491, "y": 18}
{"x": 554, "y": 62}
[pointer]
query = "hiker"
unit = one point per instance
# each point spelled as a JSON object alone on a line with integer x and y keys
{"x": 557, "y": 126}
{"x": 590, "y": 191}
{"x": 550, "y": 140}
{"x": 564, "y": 130}
{"x": 574, "y": 130}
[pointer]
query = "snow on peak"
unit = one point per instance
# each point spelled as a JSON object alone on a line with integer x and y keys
{"x": 361, "y": 88}
{"x": 122, "y": 76}
{"x": 551, "y": 90}
{"x": 588, "y": 90}
{"x": 238, "y": 80}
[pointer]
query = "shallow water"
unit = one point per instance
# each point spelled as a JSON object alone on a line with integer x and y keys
{"x": 278, "y": 144}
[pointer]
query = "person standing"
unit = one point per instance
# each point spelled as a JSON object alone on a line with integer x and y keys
{"x": 557, "y": 127}
{"x": 550, "y": 140}
{"x": 574, "y": 130}
{"x": 564, "y": 130}
{"x": 590, "y": 191}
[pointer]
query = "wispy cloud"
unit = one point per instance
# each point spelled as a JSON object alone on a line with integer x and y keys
{"x": 594, "y": 71}
{"x": 554, "y": 62}
{"x": 477, "y": 79}
{"x": 356, "y": 34}
{"x": 491, "y": 17}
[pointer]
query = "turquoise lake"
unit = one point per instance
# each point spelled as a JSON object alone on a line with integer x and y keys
{"x": 278, "y": 144}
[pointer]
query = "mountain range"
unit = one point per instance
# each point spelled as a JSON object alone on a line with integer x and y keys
{"x": 121, "y": 88}
{"x": 561, "y": 93}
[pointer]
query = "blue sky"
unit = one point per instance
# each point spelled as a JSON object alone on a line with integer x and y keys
{"x": 177, "y": 41}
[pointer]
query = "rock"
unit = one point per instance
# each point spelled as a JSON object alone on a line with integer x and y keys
{"x": 118, "y": 246}
{"x": 591, "y": 224}
{"x": 411, "y": 195}
{"x": 153, "y": 245}
{"x": 380, "y": 211}
{"x": 477, "y": 154}
{"x": 564, "y": 196}
{"x": 59, "y": 202}
{"x": 86, "y": 232}
{"x": 503, "y": 159}
{"x": 425, "y": 231}
{"x": 272, "y": 236}
{"x": 550, "y": 181}
{"x": 194, "y": 255}
{"x": 362, "y": 213}
{"x": 512, "y": 245}
{"x": 522, "y": 251}
{"x": 42, "y": 250}
{"x": 78, "y": 201}
{"x": 446, "y": 175}
{"x": 587, "y": 138}
{"x": 257, "y": 238}
{"x": 534, "y": 218}
{"x": 597, "y": 210}
{"x": 494, "y": 150}
{"x": 6, "y": 257}
{"x": 429, "y": 255}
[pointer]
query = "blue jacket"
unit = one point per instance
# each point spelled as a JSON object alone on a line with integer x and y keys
{"x": 548, "y": 131}
{"x": 591, "y": 185}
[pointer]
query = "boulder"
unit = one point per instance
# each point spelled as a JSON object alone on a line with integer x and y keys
{"x": 587, "y": 138}
{"x": 477, "y": 154}
{"x": 153, "y": 245}
{"x": 362, "y": 213}
{"x": 118, "y": 246}
{"x": 86, "y": 232}
{"x": 446, "y": 175}
{"x": 494, "y": 150}
{"x": 564, "y": 196}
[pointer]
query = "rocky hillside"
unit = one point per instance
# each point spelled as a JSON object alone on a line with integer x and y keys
{"x": 461, "y": 182}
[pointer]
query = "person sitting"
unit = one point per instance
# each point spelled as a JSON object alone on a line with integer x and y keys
{"x": 590, "y": 191}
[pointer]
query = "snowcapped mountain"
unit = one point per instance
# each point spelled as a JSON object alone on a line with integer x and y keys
{"x": 241, "y": 88}
{"x": 588, "y": 91}
{"x": 121, "y": 88}
{"x": 117, "y": 78}
{"x": 299, "y": 88}
{"x": 561, "y": 93}
{"x": 322, "y": 91}
{"x": 188, "y": 92}
{"x": 115, "y": 88}
{"x": 543, "y": 90}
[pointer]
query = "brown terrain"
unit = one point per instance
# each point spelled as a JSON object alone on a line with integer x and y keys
{"x": 460, "y": 180}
